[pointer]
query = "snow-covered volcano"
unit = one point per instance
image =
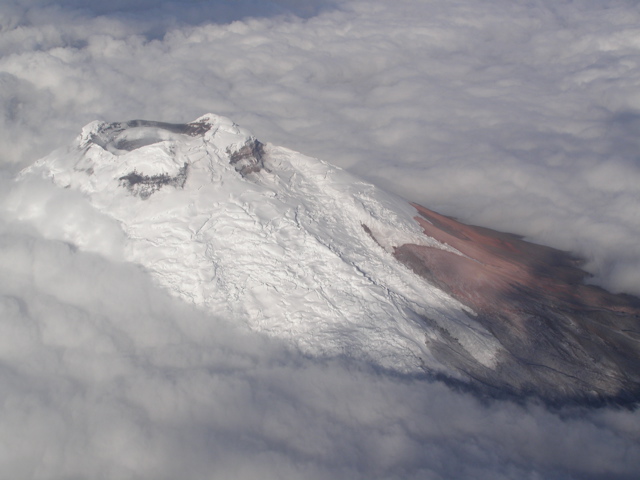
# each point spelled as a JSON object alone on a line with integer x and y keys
{"x": 299, "y": 249}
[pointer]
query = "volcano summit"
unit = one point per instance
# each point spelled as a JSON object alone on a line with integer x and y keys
{"x": 301, "y": 250}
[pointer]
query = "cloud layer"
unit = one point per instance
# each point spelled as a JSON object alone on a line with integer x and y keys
{"x": 113, "y": 379}
{"x": 515, "y": 115}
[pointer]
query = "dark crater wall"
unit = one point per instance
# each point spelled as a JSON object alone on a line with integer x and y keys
{"x": 111, "y": 134}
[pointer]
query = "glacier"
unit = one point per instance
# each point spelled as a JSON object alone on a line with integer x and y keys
{"x": 296, "y": 248}
{"x": 278, "y": 245}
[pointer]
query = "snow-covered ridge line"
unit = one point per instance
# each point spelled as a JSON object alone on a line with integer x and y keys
{"x": 272, "y": 239}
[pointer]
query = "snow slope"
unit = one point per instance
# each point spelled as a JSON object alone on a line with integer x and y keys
{"x": 266, "y": 237}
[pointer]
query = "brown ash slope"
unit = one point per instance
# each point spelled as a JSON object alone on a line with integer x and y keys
{"x": 564, "y": 341}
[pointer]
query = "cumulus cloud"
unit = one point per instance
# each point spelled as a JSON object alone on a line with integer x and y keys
{"x": 515, "y": 115}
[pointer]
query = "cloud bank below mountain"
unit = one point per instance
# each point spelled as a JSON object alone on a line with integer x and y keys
{"x": 114, "y": 379}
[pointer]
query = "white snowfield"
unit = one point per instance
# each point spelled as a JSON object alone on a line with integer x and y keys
{"x": 280, "y": 248}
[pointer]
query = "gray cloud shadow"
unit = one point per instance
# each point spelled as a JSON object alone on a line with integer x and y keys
{"x": 623, "y": 135}
{"x": 153, "y": 18}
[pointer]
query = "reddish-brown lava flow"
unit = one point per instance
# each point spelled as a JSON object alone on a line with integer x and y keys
{"x": 562, "y": 339}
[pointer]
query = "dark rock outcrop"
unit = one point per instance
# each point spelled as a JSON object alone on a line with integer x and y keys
{"x": 249, "y": 158}
{"x": 144, "y": 186}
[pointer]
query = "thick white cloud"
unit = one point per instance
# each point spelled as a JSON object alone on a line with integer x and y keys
{"x": 111, "y": 378}
{"x": 513, "y": 114}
